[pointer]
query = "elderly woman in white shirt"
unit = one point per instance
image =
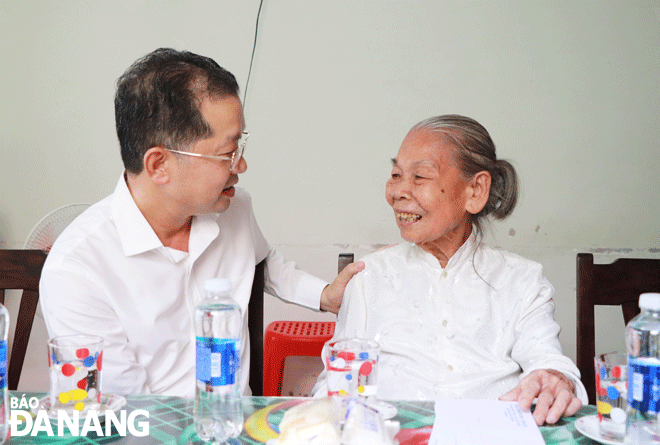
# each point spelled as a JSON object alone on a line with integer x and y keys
{"x": 456, "y": 318}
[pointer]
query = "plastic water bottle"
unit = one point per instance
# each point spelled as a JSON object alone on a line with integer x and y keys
{"x": 643, "y": 344}
{"x": 4, "y": 394}
{"x": 218, "y": 322}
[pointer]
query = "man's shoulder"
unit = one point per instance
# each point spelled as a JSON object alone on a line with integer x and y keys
{"x": 242, "y": 197}
{"x": 238, "y": 212}
{"x": 93, "y": 225}
{"x": 240, "y": 204}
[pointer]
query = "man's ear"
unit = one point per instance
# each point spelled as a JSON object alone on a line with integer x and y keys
{"x": 156, "y": 163}
{"x": 478, "y": 191}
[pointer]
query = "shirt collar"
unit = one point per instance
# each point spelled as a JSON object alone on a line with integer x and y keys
{"x": 203, "y": 231}
{"x": 135, "y": 233}
{"x": 137, "y": 236}
{"x": 463, "y": 252}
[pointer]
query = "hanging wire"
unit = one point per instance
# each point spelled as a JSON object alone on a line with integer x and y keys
{"x": 254, "y": 47}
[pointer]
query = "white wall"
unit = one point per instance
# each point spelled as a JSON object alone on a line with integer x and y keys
{"x": 569, "y": 90}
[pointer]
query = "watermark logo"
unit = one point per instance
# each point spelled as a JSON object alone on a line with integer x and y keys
{"x": 22, "y": 423}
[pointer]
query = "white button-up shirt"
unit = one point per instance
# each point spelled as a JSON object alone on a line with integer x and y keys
{"x": 471, "y": 330}
{"x": 109, "y": 275}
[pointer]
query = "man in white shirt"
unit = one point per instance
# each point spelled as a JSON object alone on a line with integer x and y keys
{"x": 132, "y": 268}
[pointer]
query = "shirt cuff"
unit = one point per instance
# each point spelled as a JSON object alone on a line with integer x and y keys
{"x": 308, "y": 291}
{"x": 580, "y": 391}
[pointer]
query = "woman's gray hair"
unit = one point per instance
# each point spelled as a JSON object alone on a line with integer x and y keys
{"x": 475, "y": 152}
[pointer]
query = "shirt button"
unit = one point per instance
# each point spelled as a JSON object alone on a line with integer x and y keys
{"x": 444, "y": 323}
{"x": 444, "y": 274}
{"x": 450, "y": 368}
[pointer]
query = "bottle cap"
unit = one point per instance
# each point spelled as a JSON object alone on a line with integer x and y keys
{"x": 218, "y": 285}
{"x": 650, "y": 301}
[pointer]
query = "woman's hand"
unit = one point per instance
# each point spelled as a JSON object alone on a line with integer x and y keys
{"x": 555, "y": 394}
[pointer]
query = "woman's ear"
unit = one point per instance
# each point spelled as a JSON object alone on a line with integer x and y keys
{"x": 156, "y": 164}
{"x": 478, "y": 191}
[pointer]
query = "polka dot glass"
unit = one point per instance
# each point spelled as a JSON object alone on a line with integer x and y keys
{"x": 352, "y": 367}
{"x": 611, "y": 392}
{"x": 75, "y": 363}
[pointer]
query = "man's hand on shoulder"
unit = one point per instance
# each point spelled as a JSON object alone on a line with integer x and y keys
{"x": 555, "y": 394}
{"x": 333, "y": 293}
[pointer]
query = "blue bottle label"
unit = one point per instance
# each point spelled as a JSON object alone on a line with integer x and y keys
{"x": 3, "y": 364}
{"x": 217, "y": 360}
{"x": 644, "y": 384}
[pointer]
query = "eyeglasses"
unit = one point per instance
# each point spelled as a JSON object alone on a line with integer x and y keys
{"x": 235, "y": 157}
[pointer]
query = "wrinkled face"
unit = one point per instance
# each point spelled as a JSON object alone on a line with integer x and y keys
{"x": 207, "y": 185}
{"x": 427, "y": 192}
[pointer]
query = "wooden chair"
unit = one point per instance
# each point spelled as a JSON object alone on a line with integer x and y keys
{"x": 256, "y": 329}
{"x": 344, "y": 260}
{"x": 616, "y": 284}
{"x": 20, "y": 270}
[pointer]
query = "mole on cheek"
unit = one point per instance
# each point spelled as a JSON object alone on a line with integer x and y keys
{"x": 442, "y": 190}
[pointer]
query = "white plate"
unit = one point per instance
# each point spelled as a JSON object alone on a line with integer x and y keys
{"x": 588, "y": 425}
{"x": 110, "y": 402}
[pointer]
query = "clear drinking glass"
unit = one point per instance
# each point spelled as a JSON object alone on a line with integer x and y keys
{"x": 352, "y": 367}
{"x": 75, "y": 363}
{"x": 611, "y": 394}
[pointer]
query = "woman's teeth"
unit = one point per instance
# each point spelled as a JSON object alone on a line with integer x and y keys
{"x": 408, "y": 217}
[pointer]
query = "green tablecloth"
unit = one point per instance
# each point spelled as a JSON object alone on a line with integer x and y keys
{"x": 170, "y": 422}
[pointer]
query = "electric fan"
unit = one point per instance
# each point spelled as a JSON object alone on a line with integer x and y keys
{"x": 46, "y": 231}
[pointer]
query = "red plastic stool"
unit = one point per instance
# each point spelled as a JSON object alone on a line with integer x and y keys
{"x": 291, "y": 338}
